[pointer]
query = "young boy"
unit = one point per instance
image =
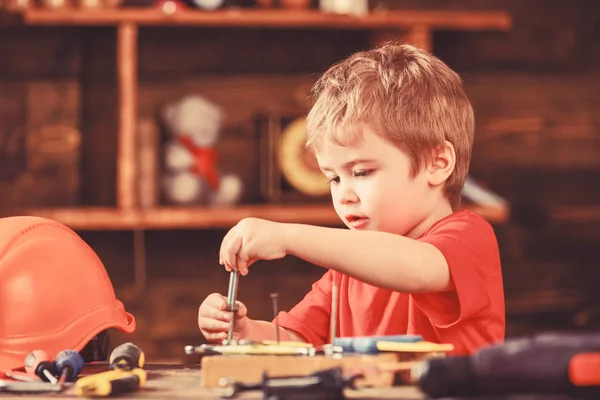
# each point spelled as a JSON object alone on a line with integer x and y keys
{"x": 392, "y": 129}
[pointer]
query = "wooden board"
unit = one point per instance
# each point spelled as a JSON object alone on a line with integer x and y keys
{"x": 249, "y": 368}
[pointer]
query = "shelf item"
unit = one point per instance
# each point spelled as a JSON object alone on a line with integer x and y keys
{"x": 204, "y": 218}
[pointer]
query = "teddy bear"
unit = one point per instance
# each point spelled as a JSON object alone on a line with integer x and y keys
{"x": 191, "y": 176}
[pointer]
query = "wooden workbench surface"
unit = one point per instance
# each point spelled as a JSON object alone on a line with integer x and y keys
{"x": 175, "y": 382}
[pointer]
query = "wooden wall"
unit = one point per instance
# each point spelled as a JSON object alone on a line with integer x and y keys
{"x": 537, "y": 143}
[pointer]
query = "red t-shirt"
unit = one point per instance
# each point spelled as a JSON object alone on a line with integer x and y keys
{"x": 470, "y": 317}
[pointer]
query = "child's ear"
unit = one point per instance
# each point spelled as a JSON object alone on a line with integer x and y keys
{"x": 442, "y": 164}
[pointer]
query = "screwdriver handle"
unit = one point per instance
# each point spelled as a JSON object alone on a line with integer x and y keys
{"x": 68, "y": 364}
{"x": 110, "y": 383}
{"x": 38, "y": 363}
{"x": 127, "y": 356}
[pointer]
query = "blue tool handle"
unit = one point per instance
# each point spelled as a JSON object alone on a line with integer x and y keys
{"x": 70, "y": 363}
{"x": 368, "y": 344}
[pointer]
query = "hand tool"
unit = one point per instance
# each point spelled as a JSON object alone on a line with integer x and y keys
{"x": 333, "y": 316}
{"x": 327, "y": 384}
{"x": 559, "y": 363}
{"x": 28, "y": 387}
{"x": 21, "y": 376}
{"x": 111, "y": 383}
{"x": 38, "y": 363}
{"x": 68, "y": 365}
{"x": 274, "y": 298}
{"x": 125, "y": 374}
{"x": 281, "y": 343}
{"x": 232, "y": 305}
{"x": 254, "y": 348}
{"x": 417, "y": 347}
{"x": 368, "y": 344}
{"x": 127, "y": 356}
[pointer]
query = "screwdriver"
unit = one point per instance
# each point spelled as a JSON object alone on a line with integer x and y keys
{"x": 28, "y": 387}
{"x": 125, "y": 374}
{"x": 127, "y": 356}
{"x": 110, "y": 383}
{"x": 68, "y": 365}
{"x": 38, "y": 363}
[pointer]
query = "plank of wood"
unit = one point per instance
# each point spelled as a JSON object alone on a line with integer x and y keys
{"x": 249, "y": 369}
{"x": 461, "y": 20}
{"x": 127, "y": 35}
{"x": 99, "y": 218}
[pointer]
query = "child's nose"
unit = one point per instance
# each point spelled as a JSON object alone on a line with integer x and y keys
{"x": 347, "y": 195}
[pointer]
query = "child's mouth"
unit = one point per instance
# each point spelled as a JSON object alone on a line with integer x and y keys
{"x": 356, "y": 222}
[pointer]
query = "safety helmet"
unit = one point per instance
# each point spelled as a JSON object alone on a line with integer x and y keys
{"x": 55, "y": 293}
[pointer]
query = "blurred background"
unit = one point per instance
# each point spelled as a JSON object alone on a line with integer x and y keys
{"x": 151, "y": 128}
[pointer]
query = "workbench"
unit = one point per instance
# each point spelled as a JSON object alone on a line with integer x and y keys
{"x": 175, "y": 382}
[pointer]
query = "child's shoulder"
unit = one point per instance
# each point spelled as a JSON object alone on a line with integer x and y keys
{"x": 462, "y": 222}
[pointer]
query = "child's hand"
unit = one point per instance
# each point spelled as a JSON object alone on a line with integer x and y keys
{"x": 250, "y": 240}
{"x": 213, "y": 320}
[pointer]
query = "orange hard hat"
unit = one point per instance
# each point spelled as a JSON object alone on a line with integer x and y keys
{"x": 55, "y": 293}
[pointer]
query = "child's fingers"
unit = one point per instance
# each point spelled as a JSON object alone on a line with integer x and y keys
{"x": 215, "y": 337}
{"x": 242, "y": 310}
{"x": 214, "y": 313}
{"x": 231, "y": 250}
{"x": 224, "y": 244}
{"x": 212, "y": 325}
{"x": 216, "y": 301}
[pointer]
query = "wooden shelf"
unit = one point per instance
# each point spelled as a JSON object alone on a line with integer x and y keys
{"x": 576, "y": 214}
{"x": 410, "y": 26}
{"x": 202, "y": 218}
{"x": 255, "y": 18}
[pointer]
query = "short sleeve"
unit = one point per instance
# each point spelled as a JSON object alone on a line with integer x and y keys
{"x": 310, "y": 317}
{"x": 470, "y": 248}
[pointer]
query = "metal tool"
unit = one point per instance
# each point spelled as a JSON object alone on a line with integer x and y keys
{"x": 251, "y": 348}
{"x": 334, "y": 309}
{"x": 21, "y": 376}
{"x": 328, "y": 384}
{"x": 232, "y": 305}
{"x": 28, "y": 387}
{"x": 275, "y": 298}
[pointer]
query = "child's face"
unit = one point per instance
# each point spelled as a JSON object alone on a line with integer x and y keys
{"x": 372, "y": 188}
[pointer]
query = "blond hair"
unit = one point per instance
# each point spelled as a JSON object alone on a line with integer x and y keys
{"x": 405, "y": 95}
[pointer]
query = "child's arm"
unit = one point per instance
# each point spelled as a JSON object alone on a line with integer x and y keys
{"x": 264, "y": 330}
{"x": 381, "y": 259}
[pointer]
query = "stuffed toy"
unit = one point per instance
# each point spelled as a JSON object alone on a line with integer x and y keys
{"x": 191, "y": 176}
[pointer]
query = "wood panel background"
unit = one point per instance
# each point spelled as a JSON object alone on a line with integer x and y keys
{"x": 538, "y": 144}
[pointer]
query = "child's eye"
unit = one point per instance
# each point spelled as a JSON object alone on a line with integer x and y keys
{"x": 362, "y": 173}
{"x": 334, "y": 179}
